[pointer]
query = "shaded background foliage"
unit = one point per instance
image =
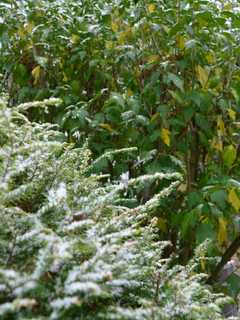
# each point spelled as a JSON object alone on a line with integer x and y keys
{"x": 159, "y": 75}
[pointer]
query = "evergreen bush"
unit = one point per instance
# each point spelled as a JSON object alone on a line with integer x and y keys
{"x": 68, "y": 250}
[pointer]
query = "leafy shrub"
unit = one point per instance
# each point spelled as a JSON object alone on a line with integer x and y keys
{"x": 159, "y": 75}
{"x": 67, "y": 250}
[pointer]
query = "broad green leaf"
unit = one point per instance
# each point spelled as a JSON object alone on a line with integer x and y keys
{"x": 229, "y": 155}
{"x": 233, "y": 282}
{"x": 176, "y": 96}
{"x": 205, "y": 231}
{"x": 219, "y": 197}
{"x": 176, "y": 80}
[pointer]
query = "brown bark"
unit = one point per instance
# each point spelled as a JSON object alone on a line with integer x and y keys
{"x": 230, "y": 251}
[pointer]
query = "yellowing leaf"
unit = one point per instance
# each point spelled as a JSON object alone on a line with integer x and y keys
{"x": 232, "y": 114}
{"x": 21, "y": 32}
{"x": 129, "y": 92}
{"x": 109, "y": 44}
{"x": 217, "y": 144}
{"x": 29, "y": 27}
{"x": 155, "y": 116}
{"x": 125, "y": 35}
{"x": 222, "y": 231}
{"x": 153, "y": 58}
{"x": 107, "y": 126}
{"x": 233, "y": 199}
{"x": 165, "y": 135}
{"x": 65, "y": 78}
{"x": 36, "y": 74}
{"x": 203, "y": 263}
{"x": 210, "y": 58}
{"x": 220, "y": 125}
{"x": 74, "y": 38}
{"x": 229, "y": 155}
{"x": 180, "y": 42}
{"x": 122, "y": 37}
{"x": 151, "y": 7}
{"x": 114, "y": 26}
{"x": 228, "y": 7}
{"x": 162, "y": 224}
{"x": 202, "y": 75}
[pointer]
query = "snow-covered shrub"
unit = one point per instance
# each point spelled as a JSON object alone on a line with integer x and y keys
{"x": 68, "y": 250}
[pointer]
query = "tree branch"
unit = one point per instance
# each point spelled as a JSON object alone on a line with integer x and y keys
{"x": 230, "y": 251}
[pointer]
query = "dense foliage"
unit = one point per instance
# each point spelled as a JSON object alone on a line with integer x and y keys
{"x": 161, "y": 76}
{"x": 68, "y": 251}
{"x": 152, "y": 86}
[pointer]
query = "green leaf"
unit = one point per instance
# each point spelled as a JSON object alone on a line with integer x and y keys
{"x": 205, "y": 231}
{"x": 233, "y": 282}
{"x": 176, "y": 80}
{"x": 229, "y": 155}
{"x": 220, "y": 198}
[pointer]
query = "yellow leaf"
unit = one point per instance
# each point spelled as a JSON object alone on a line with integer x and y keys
{"x": 220, "y": 125}
{"x": 106, "y": 126}
{"x": 228, "y": 7}
{"x": 122, "y": 37}
{"x": 217, "y": 144}
{"x": 21, "y": 32}
{"x": 180, "y": 42}
{"x": 65, "y": 78}
{"x": 162, "y": 224}
{"x": 210, "y": 58}
{"x": 114, "y": 26}
{"x": 233, "y": 199}
{"x": 29, "y": 27}
{"x": 155, "y": 116}
{"x": 165, "y": 135}
{"x": 129, "y": 92}
{"x": 232, "y": 114}
{"x": 36, "y": 74}
{"x": 109, "y": 44}
{"x": 153, "y": 58}
{"x": 202, "y": 75}
{"x": 151, "y": 7}
{"x": 222, "y": 231}
{"x": 74, "y": 38}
